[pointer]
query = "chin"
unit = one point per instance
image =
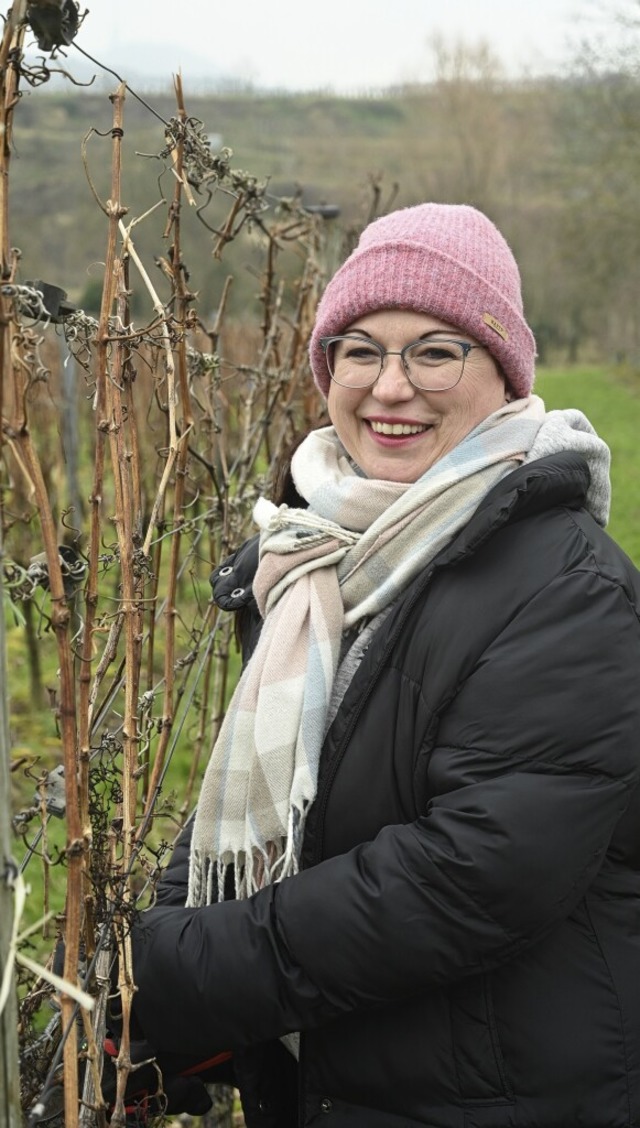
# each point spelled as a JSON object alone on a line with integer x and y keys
{"x": 395, "y": 473}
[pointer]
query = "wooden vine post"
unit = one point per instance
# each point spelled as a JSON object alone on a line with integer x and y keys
{"x": 10, "y": 1114}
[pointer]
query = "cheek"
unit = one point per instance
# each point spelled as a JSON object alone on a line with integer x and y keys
{"x": 483, "y": 394}
{"x": 341, "y": 405}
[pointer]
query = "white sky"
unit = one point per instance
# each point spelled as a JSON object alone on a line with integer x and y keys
{"x": 346, "y": 45}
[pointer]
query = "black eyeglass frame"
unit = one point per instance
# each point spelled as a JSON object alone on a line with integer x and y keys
{"x": 466, "y": 347}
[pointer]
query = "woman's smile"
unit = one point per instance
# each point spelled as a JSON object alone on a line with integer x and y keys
{"x": 396, "y": 429}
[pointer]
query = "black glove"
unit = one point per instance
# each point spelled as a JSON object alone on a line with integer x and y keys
{"x": 162, "y": 1084}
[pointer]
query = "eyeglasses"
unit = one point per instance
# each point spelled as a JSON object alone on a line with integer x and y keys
{"x": 430, "y": 365}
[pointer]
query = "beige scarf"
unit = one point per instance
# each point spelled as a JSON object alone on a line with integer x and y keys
{"x": 322, "y": 570}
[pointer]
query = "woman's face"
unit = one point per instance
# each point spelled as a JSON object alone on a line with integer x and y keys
{"x": 438, "y": 420}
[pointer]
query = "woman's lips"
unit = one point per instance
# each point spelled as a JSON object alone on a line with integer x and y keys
{"x": 395, "y": 433}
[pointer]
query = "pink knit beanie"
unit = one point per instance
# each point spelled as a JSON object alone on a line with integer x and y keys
{"x": 444, "y": 259}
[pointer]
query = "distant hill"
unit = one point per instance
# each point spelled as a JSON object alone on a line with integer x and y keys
{"x": 149, "y": 68}
{"x": 324, "y": 148}
{"x": 550, "y": 161}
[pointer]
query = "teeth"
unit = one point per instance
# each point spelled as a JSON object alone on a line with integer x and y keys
{"x": 397, "y": 428}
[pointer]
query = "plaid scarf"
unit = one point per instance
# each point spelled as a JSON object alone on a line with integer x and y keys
{"x": 323, "y": 570}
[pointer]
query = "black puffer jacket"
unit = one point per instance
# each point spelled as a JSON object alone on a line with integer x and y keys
{"x": 462, "y": 949}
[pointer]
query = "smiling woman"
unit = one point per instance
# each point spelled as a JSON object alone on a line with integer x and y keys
{"x": 410, "y": 894}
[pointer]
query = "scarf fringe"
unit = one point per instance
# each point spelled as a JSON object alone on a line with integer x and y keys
{"x": 208, "y": 875}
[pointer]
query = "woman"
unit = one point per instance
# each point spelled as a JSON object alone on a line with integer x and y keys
{"x": 418, "y": 839}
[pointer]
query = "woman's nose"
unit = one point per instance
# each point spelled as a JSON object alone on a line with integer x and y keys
{"x": 393, "y": 384}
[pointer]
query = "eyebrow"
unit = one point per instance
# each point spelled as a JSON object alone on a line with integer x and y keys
{"x": 448, "y": 334}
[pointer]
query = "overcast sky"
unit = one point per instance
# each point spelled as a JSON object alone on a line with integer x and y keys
{"x": 345, "y": 45}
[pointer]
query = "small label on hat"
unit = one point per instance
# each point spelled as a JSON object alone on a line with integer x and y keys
{"x": 494, "y": 324}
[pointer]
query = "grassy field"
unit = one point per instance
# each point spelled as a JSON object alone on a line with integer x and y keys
{"x": 611, "y": 402}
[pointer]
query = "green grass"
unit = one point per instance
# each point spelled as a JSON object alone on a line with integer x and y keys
{"x": 611, "y": 402}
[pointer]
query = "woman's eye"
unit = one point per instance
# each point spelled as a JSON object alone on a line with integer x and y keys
{"x": 362, "y": 354}
{"x": 433, "y": 354}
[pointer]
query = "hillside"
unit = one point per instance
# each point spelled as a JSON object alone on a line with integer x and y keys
{"x": 550, "y": 161}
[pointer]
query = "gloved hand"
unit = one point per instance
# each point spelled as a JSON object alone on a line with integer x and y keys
{"x": 158, "y": 1085}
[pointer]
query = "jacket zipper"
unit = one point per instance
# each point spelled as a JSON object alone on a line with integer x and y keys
{"x": 317, "y": 853}
{"x": 337, "y": 760}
